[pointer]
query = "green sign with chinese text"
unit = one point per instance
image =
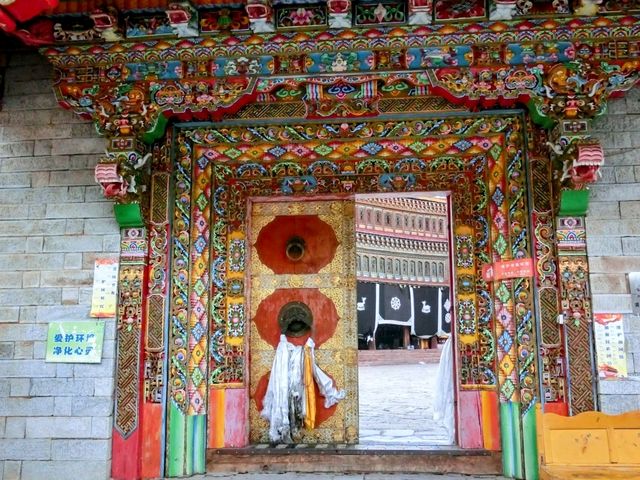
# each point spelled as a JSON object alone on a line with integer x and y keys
{"x": 75, "y": 342}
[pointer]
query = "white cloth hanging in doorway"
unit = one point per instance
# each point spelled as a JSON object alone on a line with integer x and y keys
{"x": 443, "y": 399}
{"x": 285, "y": 400}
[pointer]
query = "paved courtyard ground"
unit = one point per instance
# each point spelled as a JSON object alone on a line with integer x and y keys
{"x": 396, "y": 405}
{"x": 333, "y": 476}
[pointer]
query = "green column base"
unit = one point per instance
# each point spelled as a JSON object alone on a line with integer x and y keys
{"x": 128, "y": 215}
{"x": 574, "y": 203}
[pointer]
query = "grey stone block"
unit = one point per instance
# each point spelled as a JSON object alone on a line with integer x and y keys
{"x": 101, "y": 427}
{"x": 625, "y": 174}
{"x": 93, "y": 370}
{"x": 59, "y": 427}
{"x": 62, "y": 312}
{"x": 27, "y": 368}
{"x": 5, "y": 387}
{"x": 30, "y": 102}
{"x": 616, "y": 404}
{"x": 604, "y": 210}
{"x": 20, "y": 387}
{"x": 72, "y": 260}
{"x": 11, "y": 280}
{"x": 34, "y": 244}
{"x": 23, "y": 350}
{"x": 620, "y": 387}
{"x": 12, "y": 228}
{"x": 84, "y": 243}
{"x": 18, "y": 332}
{"x": 91, "y": 406}
{"x": 61, "y": 387}
{"x": 24, "y": 407}
{"x": 12, "y": 244}
{"x": 631, "y": 245}
{"x": 611, "y": 303}
{"x": 84, "y": 210}
{"x": 15, "y": 427}
{"x": 64, "y": 470}
{"x": 80, "y": 450}
{"x": 25, "y": 449}
{"x": 62, "y": 406}
{"x": 74, "y": 227}
{"x": 614, "y": 264}
{"x": 75, "y": 177}
{"x": 12, "y": 470}
{"x": 31, "y": 279}
{"x": 623, "y": 192}
{"x": 30, "y": 296}
{"x": 103, "y": 387}
{"x": 64, "y": 370}
{"x": 78, "y": 145}
{"x": 69, "y": 296}
{"x": 18, "y": 149}
{"x": 101, "y": 226}
{"x": 603, "y": 247}
{"x": 30, "y": 261}
{"x": 6, "y": 350}
{"x": 9, "y": 314}
{"x": 66, "y": 278}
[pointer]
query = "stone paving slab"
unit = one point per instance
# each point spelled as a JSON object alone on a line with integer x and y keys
{"x": 396, "y": 405}
{"x": 333, "y": 476}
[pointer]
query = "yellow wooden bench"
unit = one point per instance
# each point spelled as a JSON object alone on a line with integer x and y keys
{"x": 588, "y": 446}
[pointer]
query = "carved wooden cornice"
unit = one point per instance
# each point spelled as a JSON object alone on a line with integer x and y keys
{"x": 562, "y": 70}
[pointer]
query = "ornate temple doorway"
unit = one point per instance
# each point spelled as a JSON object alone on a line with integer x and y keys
{"x": 286, "y": 168}
{"x": 405, "y": 361}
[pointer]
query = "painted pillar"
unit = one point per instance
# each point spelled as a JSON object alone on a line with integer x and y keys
{"x": 122, "y": 174}
{"x": 126, "y": 444}
{"x": 155, "y": 318}
{"x": 189, "y": 310}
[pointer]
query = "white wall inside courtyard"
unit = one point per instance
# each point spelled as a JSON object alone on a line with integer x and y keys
{"x": 613, "y": 239}
{"x": 55, "y": 419}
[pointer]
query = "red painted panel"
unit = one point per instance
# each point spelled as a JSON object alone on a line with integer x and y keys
{"x": 325, "y": 316}
{"x": 151, "y": 440}
{"x": 561, "y": 408}
{"x": 215, "y": 415}
{"x": 320, "y": 244}
{"x": 470, "y": 419}
{"x": 236, "y": 432}
{"x": 322, "y": 413}
{"x": 125, "y": 456}
{"x": 491, "y": 420}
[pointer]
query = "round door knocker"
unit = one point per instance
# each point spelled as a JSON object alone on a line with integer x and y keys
{"x": 295, "y": 249}
{"x": 295, "y": 319}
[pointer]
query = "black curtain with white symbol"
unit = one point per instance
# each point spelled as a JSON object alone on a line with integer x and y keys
{"x": 425, "y": 309}
{"x": 366, "y": 307}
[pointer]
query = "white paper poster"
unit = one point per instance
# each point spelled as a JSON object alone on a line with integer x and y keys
{"x": 105, "y": 286}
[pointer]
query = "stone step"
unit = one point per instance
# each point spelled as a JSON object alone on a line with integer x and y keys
{"x": 398, "y": 357}
{"x": 354, "y": 459}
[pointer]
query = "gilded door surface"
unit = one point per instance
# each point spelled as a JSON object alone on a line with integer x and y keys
{"x": 324, "y": 279}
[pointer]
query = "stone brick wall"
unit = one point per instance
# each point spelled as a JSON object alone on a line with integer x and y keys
{"x": 55, "y": 419}
{"x": 613, "y": 239}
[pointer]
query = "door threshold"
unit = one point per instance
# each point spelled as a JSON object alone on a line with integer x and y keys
{"x": 349, "y": 449}
{"x": 367, "y": 458}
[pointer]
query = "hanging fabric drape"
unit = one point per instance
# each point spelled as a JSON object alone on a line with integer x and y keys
{"x": 290, "y": 402}
{"x": 443, "y": 400}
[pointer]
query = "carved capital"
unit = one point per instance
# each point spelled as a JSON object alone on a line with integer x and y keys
{"x": 261, "y": 16}
{"x": 420, "y": 12}
{"x": 339, "y": 13}
{"x": 123, "y": 172}
{"x": 579, "y": 153}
